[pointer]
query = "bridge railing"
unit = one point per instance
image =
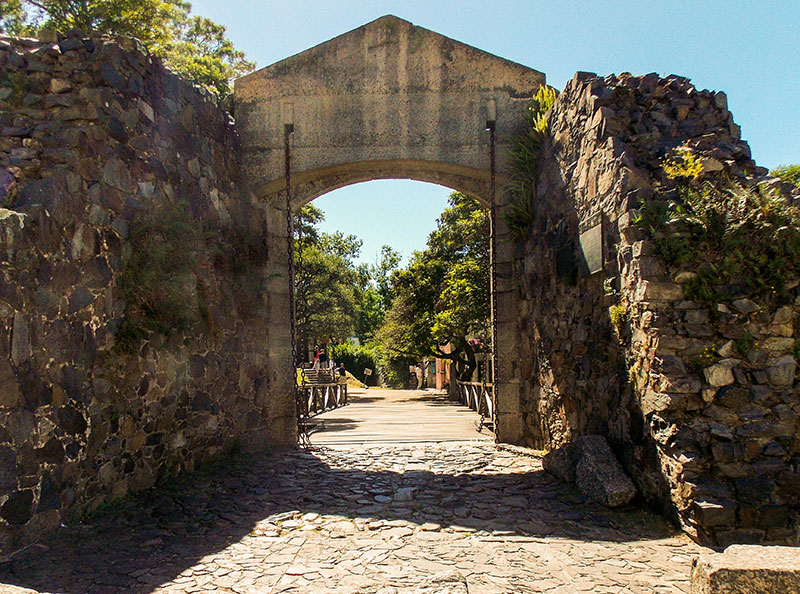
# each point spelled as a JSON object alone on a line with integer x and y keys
{"x": 318, "y": 391}
{"x": 479, "y": 396}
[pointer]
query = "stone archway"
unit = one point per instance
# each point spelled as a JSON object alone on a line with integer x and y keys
{"x": 386, "y": 100}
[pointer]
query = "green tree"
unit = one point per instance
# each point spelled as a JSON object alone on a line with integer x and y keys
{"x": 153, "y": 22}
{"x": 788, "y": 173}
{"x": 13, "y": 18}
{"x": 329, "y": 301}
{"x": 195, "y": 47}
{"x": 442, "y": 297}
{"x": 202, "y": 53}
{"x": 376, "y": 294}
{"x": 328, "y": 284}
{"x": 381, "y": 273}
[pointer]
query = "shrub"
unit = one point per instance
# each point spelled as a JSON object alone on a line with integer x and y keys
{"x": 788, "y": 173}
{"x": 729, "y": 234}
{"x": 163, "y": 281}
{"x": 684, "y": 165}
{"x": 619, "y": 315}
{"x": 523, "y": 157}
{"x": 158, "y": 280}
{"x": 356, "y": 358}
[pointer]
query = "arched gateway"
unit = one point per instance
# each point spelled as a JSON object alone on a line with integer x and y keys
{"x": 386, "y": 100}
{"x": 106, "y": 385}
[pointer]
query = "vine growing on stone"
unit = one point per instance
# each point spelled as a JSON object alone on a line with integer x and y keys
{"x": 522, "y": 159}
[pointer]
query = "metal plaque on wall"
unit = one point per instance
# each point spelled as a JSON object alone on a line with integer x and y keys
{"x": 591, "y": 242}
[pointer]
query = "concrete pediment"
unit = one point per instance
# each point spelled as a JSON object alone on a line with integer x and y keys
{"x": 388, "y": 99}
{"x": 390, "y": 55}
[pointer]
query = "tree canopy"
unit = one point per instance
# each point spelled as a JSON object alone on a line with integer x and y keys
{"x": 195, "y": 47}
{"x": 442, "y": 297}
{"x": 400, "y": 315}
{"x": 337, "y": 298}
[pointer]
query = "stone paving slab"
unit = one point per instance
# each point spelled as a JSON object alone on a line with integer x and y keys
{"x": 366, "y": 520}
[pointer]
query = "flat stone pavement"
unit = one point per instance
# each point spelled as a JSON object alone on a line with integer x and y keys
{"x": 367, "y": 520}
{"x": 379, "y": 415}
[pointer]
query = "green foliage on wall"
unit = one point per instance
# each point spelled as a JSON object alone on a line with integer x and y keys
{"x": 618, "y": 314}
{"x": 158, "y": 281}
{"x": 728, "y": 235}
{"x": 193, "y": 46}
{"x": 164, "y": 279}
{"x": 788, "y": 173}
{"x": 522, "y": 158}
{"x": 683, "y": 166}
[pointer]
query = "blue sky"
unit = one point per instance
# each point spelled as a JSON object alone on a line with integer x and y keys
{"x": 749, "y": 49}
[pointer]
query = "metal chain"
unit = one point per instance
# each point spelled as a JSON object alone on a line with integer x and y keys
{"x": 493, "y": 266}
{"x": 290, "y": 270}
{"x": 290, "y": 244}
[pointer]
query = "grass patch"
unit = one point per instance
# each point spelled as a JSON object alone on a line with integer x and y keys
{"x": 619, "y": 315}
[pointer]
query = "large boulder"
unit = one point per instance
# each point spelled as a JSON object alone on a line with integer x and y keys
{"x": 599, "y": 474}
{"x": 561, "y": 462}
{"x": 590, "y": 463}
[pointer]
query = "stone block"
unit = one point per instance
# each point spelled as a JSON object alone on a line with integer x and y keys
{"x": 745, "y": 306}
{"x": 20, "y": 340}
{"x": 778, "y": 346}
{"x": 745, "y": 569}
{"x": 599, "y": 474}
{"x": 657, "y": 291}
{"x": 709, "y": 514}
{"x": 720, "y": 374}
{"x": 510, "y": 428}
{"x": 590, "y": 462}
{"x": 781, "y": 373}
{"x": 560, "y": 462}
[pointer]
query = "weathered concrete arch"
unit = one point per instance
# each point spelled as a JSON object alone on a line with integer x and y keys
{"x": 316, "y": 182}
{"x": 386, "y": 100}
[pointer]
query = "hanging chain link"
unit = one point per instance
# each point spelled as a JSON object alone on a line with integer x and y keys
{"x": 493, "y": 265}
{"x": 290, "y": 245}
{"x": 290, "y": 253}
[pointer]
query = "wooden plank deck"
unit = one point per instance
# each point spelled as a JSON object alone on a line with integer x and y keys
{"x": 398, "y": 416}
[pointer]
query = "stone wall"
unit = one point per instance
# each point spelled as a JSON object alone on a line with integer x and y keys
{"x": 108, "y": 162}
{"x": 714, "y": 442}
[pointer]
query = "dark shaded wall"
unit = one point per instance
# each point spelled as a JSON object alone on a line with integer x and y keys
{"x": 716, "y": 446}
{"x": 100, "y": 144}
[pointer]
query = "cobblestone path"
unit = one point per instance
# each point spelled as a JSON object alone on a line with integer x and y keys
{"x": 374, "y": 519}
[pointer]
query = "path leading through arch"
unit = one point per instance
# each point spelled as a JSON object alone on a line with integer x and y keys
{"x": 455, "y": 517}
{"x": 398, "y": 416}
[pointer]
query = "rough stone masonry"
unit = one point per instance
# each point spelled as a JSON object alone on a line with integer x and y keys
{"x": 717, "y": 444}
{"x": 111, "y": 167}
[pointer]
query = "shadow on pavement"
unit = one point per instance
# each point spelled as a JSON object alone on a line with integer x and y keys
{"x": 151, "y": 539}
